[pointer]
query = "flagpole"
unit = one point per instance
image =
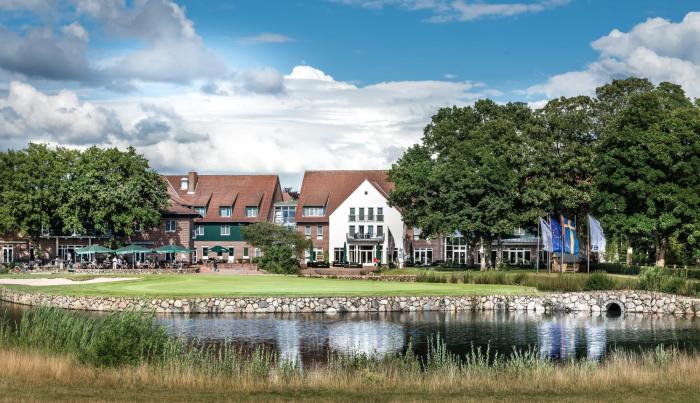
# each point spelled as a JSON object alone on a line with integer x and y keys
{"x": 537, "y": 268}
{"x": 563, "y": 234}
{"x": 588, "y": 245}
{"x": 549, "y": 255}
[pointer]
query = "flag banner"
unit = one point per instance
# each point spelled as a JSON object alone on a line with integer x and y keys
{"x": 546, "y": 236}
{"x": 570, "y": 238}
{"x": 596, "y": 234}
{"x": 555, "y": 230}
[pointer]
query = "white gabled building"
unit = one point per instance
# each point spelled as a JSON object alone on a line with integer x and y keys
{"x": 365, "y": 227}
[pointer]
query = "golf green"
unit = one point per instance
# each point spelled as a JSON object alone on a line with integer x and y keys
{"x": 210, "y": 285}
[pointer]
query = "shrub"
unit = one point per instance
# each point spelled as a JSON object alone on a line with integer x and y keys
{"x": 4, "y": 269}
{"x": 599, "y": 281}
{"x": 672, "y": 284}
{"x": 278, "y": 259}
{"x": 650, "y": 279}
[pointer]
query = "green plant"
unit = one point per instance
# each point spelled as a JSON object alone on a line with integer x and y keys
{"x": 672, "y": 284}
{"x": 651, "y": 278}
{"x": 599, "y": 281}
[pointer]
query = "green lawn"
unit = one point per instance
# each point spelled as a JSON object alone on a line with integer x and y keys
{"x": 203, "y": 285}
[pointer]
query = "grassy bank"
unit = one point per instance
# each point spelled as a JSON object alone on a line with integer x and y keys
{"x": 203, "y": 285}
{"x": 48, "y": 357}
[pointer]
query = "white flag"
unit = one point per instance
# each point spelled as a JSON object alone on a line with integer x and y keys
{"x": 597, "y": 235}
{"x": 546, "y": 236}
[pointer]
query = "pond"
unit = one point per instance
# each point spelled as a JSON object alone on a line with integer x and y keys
{"x": 310, "y": 337}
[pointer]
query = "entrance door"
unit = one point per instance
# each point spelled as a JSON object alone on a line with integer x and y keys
{"x": 366, "y": 254}
{"x": 7, "y": 254}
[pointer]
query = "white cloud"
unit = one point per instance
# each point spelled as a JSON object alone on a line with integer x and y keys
{"x": 266, "y": 37}
{"x": 27, "y": 114}
{"x": 461, "y": 10}
{"x": 169, "y": 48}
{"x": 657, "y": 49}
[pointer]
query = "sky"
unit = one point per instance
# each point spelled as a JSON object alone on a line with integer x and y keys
{"x": 252, "y": 86}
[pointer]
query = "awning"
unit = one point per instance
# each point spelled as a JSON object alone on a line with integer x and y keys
{"x": 92, "y": 249}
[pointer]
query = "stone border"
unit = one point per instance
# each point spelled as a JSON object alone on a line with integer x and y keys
{"x": 629, "y": 301}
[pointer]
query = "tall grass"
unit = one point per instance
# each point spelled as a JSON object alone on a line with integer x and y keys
{"x": 49, "y": 349}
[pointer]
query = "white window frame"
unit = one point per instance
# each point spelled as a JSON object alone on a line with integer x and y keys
{"x": 307, "y": 231}
{"x": 203, "y": 211}
{"x": 199, "y": 230}
{"x": 225, "y": 230}
{"x": 223, "y": 209}
{"x": 252, "y": 211}
{"x": 184, "y": 183}
{"x": 319, "y": 232}
{"x": 170, "y": 226}
{"x": 8, "y": 253}
{"x": 313, "y": 211}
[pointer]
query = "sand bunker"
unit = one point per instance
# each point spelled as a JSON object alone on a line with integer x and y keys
{"x": 59, "y": 281}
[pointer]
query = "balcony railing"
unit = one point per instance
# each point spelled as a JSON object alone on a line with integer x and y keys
{"x": 365, "y": 237}
{"x": 365, "y": 218}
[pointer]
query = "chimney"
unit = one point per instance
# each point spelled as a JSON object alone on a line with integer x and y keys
{"x": 191, "y": 181}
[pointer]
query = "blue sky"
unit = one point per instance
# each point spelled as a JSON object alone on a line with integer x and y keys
{"x": 284, "y": 86}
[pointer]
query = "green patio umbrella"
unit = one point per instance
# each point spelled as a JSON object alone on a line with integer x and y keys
{"x": 379, "y": 254}
{"x": 218, "y": 249}
{"x": 173, "y": 249}
{"x": 93, "y": 249}
{"x": 345, "y": 253}
{"x": 133, "y": 250}
{"x": 312, "y": 254}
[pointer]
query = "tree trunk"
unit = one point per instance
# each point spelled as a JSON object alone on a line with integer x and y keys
{"x": 482, "y": 265}
{"x": 660, "y": 252}
{"x": 499, "y": 254}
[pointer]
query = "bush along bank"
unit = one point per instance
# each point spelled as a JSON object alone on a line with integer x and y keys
{"x": 650, "y": 279}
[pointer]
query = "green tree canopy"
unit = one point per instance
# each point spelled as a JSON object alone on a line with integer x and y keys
{"x": 279, "y": 246}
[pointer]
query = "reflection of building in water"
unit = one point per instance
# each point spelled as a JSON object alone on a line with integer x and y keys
{"x": 288, "y": 341}
{"x": 368, "y": 337}
{"x": 560, "y": 337}
{"x": 595, "y": 342}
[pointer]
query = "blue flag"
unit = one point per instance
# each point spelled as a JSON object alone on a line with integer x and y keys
{"x": 570, "y": 241}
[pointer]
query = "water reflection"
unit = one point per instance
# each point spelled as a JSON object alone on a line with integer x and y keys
{"x": 306, "y": 338}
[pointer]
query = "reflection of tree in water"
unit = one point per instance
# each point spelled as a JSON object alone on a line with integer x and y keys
{"x": 367, "y": 337}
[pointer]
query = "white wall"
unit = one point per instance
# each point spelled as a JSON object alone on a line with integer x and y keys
{"x": 366, "y": 195}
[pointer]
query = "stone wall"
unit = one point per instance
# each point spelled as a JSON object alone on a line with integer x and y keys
{"x": 627, "y": 301}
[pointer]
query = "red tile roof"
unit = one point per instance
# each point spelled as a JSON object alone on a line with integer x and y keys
{"x": 237, "y": 191}
{"x": 331, "y": 188}
{"x": 176, "y": 205}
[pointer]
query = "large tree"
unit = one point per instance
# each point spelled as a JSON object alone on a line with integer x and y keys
{"x": 280, "y": 247}
{"x": 112, "y": 192}
{"x": 32, "y": 189}
{"x": 648, "y": 160}
{"x": 465, "y": 175}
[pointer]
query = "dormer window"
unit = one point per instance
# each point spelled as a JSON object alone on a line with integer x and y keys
{"x": 201, "y": 211}
{"x": 251, "y": 211}
{"x": 225, "y": 211}
{"x": 317, "y": 211}
{"x": 184, "y": 183}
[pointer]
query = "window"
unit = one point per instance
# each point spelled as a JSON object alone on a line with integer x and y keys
{"x": 314, "y": 212}
{"x": 205, "y": 253}
{"x": 245, "y": 252}
{"x": 519, "y": 232}
{"x": 8, "y": 254}
{"x": 225, "y": 211}
{"x": 380, "y": 230}
{"x": 319, "y": 254}
{"x": 201, "y": 211}
{"x": 225, "y": 230}
{"x": 362, "y": 214}
{"x": 380, "y": 214}
{"x": 351, "y": 217}
{"x": 231, "y": 251}
{"x": 351, "y": 230}
{"x": 251, "y": 211}
{"x": 319, "y": 232}
{"x": 285, "y": 215}
{"x": 338, "y": 254}
{"x": 257, "y": 252}
{"x": 194, "y": 256}
{"x": 370, "y": 213}
{"x": 307, "y": 232}
{"x": 199, "y": 230}
{"x": 423, "y": 256}
{"x": 370, "y": 231}
{"x": 416, "y": 233}
{"x": 170, "y": 225}
{"x": 184, "y": 184}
